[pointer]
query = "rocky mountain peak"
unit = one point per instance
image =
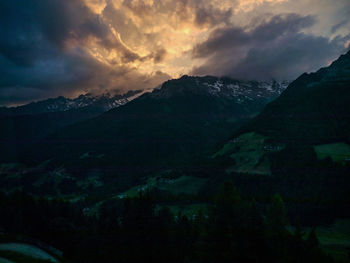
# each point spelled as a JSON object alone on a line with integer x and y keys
{"x": 104, "y": 101}
{"x": 222, "y": 87}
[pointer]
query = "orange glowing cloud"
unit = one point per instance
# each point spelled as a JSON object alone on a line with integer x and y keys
{"x": 143, "y": 27}
{"x": 128, "y": 44}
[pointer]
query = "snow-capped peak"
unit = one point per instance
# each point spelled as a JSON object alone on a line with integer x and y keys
{"x": 102, "y": 102}
{"x": 238, "y": 90}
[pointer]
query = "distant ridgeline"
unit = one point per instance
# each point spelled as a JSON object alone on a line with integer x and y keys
{"x": 104, "y": 102}
{"x": 174, "y": 126}
{"x": 186, "y": 117}
{"x": 22, "y": 126}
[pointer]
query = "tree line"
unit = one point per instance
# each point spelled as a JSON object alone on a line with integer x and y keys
{"x": 233, "y": 229}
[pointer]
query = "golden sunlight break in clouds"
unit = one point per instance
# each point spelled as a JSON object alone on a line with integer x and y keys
{"x": 170, "y": 27}
{"x": 78, "y": 46}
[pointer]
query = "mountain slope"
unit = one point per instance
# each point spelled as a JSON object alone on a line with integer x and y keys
{"x": 298, "y": 146}
{"x": 314, "y": 109}
{"x": 102, "y": 102}
{"x": 166, "y": 128}
{"x": 24, "y": 125}
{"x": 310, "y": 119}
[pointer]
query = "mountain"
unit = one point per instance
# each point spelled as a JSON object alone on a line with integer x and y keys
{"x": 101, "y": 103}
{"x": 314, "y": 109}
{"x": 312, "y": 113}
{"x": 298, "y": 146}
{"x": 169, "y": 127}
{"x": 23, "y": 125}
{"x": 240, "y": 91}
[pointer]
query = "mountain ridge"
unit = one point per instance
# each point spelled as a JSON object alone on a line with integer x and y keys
{"x": 316, "y": 101}
{"x": 309, "y": 120}
{"x": 170, "y": 127}
{"x": 103, "y": 102}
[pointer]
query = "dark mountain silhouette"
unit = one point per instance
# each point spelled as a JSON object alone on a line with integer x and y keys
{"x": 314, "y": 109}
{"x": 23, "y": 125}
{"x": 186, "y": 117}
{"x": 101, "y": 103}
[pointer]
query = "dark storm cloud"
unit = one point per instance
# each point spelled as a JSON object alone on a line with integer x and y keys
{"x": 207, "y": 14}
{"x": 38, "y": 59}
{"x": 275, "y": 48}
{"x": 76, "y": 72}
{"x": 338, "y": 26}
{"x": 66, "y": 47}
{"x": 21, "y": 39}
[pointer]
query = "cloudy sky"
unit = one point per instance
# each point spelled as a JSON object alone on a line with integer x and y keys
{"x": 68, "y": 47}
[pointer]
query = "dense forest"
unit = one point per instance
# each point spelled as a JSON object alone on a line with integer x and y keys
{"x": 234, "y": 229}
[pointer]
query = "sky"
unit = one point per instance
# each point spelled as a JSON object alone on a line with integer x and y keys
{"x": 50, "y": 48}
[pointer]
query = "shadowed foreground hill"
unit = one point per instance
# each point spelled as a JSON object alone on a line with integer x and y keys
{"x": 299, "y": 145}
{"x": 314, "y": 109}
{"x": 310, "y": 120}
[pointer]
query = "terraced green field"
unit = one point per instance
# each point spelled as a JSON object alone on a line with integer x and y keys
{"x": 180, "y": 185}
{"x": 249, "y": 151}
{"x": 339, "y": 152}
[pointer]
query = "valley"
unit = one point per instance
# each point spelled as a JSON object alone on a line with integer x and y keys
{"x": 169, "y": 152}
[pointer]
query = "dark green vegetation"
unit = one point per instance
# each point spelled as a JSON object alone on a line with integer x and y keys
{"x": 338, "y": 152}
{"x": 299, "y": 147}
{"x": 315, "y": 109}
{"x": 172, "y": 144}
{"x": 22, "y": 131}
{"x": 164, "y": 128}
{"x": 173, "y": 127}
{"x": 24, "y": 126}
{"x": 300, "y": 143}
{"x": 234, "y": 229}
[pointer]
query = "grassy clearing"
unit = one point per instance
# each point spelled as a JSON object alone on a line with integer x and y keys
{"x": 187, "y": 210}
{"x": 228, "y": 147}
{"x": 339, "y": 152}
{"x": 181, "y": 185}
{"x": 249, "y": 153}
{"x": 334, "y": 239}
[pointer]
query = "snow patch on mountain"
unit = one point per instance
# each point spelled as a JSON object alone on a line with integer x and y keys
{"x": 238, "y": 90}
{"x": 245, "y": 90}
{"x": 103, "y": 102}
